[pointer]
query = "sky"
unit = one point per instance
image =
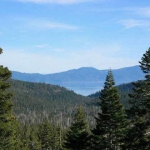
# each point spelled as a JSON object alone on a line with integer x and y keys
{"x": 49, "y": 36}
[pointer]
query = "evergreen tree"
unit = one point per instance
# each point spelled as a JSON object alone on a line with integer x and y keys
{"x": 34, "y": 143}
{"x": 137, "y": 136}
{"x": 111, "y": 122}
{"x": 77, "y": 138}
{"x": 140, "y": 98}
{"x": 56, "y": 138}
{"x": 45, "y": 135}
{"x": 7, "y": 120}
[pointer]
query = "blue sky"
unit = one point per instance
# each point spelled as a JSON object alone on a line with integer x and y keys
{"x": 48, "y": 36}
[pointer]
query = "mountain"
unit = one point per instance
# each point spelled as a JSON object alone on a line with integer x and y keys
{"x": 34, "y": 102}
{"x": 42, "y": 96}
{"x": 83, "y": 78}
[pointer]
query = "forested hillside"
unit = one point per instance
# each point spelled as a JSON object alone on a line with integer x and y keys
{"x": 123, "y": 89}
{"x": 40, "y": 96}
{"x": 33, "y": 102}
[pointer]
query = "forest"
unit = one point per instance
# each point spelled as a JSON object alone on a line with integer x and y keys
{"x": 40, "y": 116}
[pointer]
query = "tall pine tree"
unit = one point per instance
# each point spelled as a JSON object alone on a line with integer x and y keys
{"x": 45, "y": 135}
{"x": 77, "y": 138}
{"x": 138, "y": 136}
{"x": 7, "y": 120}
{"x": 111, "y": 122}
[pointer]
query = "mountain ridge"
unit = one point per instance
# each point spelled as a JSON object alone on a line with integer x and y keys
{"x": 82, "y": 78}
{"x": 90, "y": 72}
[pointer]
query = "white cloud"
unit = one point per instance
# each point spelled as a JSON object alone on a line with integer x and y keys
{"x": 130, "y": 23}
{"x": 142, "y": 11}
{"x": 50, "y": 62}
{"x": 46, "y": 24}
{"x": 145, "y": 11}
{"x": 50, "y": 48}
{"x": 42, "y": 23}
{"x": 58, "y": 50}
{"x": 41, "y": 46}
{"x": 56, "y": 1}
{"x": 58, "y": 25}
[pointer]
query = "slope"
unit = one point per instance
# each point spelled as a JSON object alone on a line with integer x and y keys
{"x": 39, "y": 101}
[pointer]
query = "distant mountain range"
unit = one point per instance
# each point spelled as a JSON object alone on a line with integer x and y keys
{"x": 83, "y": 77}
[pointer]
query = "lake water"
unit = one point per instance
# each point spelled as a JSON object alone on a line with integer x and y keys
{"x": 83, "y": 88}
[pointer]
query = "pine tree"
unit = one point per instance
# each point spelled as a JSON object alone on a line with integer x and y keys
{"x": 77, "y": 138}
{"x": 34, "y": 143}
{"x": 45, "y": 135}
{"x": 111, "y": 122}
{"x": 56, "y": 138}
{"x": 140, "y": 98}
{"x": 7, "y": 120}
{"x": 138, "y": 136}
{"x": 22, "y": 138}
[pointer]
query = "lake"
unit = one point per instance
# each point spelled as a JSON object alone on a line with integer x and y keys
{"x": 83, "y": 88}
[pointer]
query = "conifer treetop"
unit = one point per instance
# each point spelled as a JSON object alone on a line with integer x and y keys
{"x": 109, "y": 83}
{"x": 111, "y": 120}
{"x": 145, "y": 62}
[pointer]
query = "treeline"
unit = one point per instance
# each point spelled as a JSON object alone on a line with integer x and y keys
{"x": 35, "y": 102}
{"x": 116, "y": 126}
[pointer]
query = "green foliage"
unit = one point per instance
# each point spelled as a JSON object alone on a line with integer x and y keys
{"x": 140, "y": 98}
{"x": 111, "y": 122}
{"x": 41, "y": 96}
{"x": 123, "y": 89}
{"x": 35, "y": 102}
{"x": 7, "y": 120}
{"x": 49, "y": 136}
{"x": 138, "y": 133}
{"x": 77, "y": 137}
{"x": 45, "y": 135}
